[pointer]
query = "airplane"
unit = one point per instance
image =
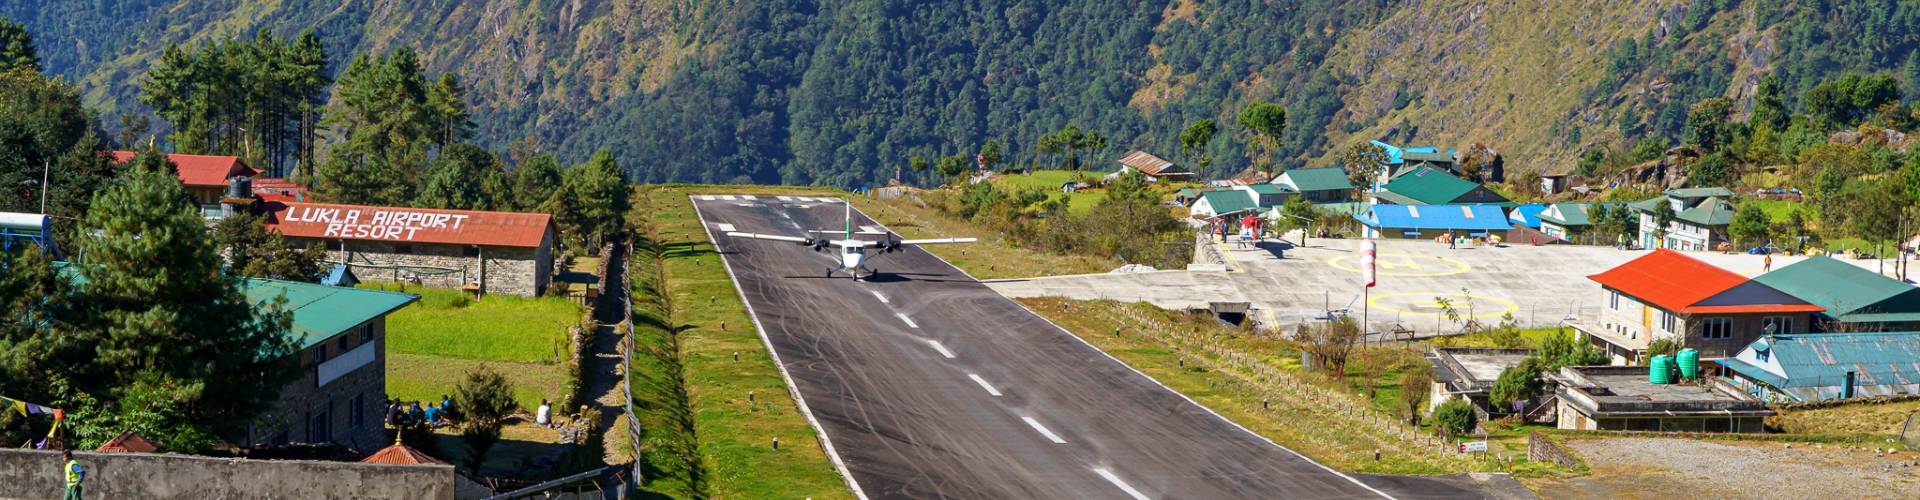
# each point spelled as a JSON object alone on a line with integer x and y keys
{"x": 853, "y": 251}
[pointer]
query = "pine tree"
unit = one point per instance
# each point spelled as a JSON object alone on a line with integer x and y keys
{"x": 161, "y": 329}
{"x": 535, "y": 184}
{"x": 16, "y": 47}
{"x": 600, "y": 188}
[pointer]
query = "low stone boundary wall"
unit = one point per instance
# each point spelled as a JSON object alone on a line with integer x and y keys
{"x": 36, "y": 474}
{"x": 1542, "y": 449}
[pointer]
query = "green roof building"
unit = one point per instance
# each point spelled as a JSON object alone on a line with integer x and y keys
{"x": 1822, "y": 366}
{"x": 1224, "y": 202}
{"x": 1701, "y": 216}
{"x": 1564, "y": 220}
{"x": 1857, "y": 297}
{"x": 1430, "y": 186}
{"x": 1317, "y": 185}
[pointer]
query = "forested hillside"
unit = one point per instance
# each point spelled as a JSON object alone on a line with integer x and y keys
{"x": 846, "y": 92}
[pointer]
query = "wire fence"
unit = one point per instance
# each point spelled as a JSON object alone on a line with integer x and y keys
{"x": 627, "y": 348}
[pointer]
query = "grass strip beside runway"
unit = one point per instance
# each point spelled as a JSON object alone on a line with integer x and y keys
{"x": 703, "y": 436}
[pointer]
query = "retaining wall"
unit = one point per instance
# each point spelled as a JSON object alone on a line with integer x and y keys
{"x": 36, "y": 474}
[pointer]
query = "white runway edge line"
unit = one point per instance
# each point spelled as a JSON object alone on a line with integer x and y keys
{"x": 826, "y": 442}
{"x": 1111, "y": 478}
{"x": 784, "y": 198}
{"x": 1043, "y": 430}
{"x": 995, "y": 392}
{"x": 903, "y": 317}
{"x": 942, "y": 348}
{"x": 1142, "y": 374}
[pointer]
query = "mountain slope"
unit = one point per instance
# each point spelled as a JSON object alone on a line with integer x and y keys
{"x": 844, "y": 92}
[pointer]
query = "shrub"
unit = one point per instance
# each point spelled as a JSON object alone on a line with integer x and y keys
{"x": 1516, "y": 383}
{"x": 1454, "y": 418}
{"x": 485, "y": 398}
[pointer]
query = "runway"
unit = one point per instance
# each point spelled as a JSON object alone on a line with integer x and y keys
{"x": 928, "y": 384}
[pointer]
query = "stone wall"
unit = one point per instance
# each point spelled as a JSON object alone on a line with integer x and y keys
{"x": 1540, "y": 448}
{"x": 508, "y": 270}
{"x": 293, "y": 417}
{"x": 36, "y": 474}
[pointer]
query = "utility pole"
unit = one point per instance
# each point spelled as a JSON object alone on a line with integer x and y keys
{"x": 46, "y": 168}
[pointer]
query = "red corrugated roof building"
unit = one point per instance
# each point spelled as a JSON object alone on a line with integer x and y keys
{"x": 1668, "y": 295}
{"x": 201, "y": 170}
{"x": 490, "y": 252}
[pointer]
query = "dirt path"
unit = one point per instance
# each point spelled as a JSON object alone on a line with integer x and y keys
{"x": 602, "y": 374}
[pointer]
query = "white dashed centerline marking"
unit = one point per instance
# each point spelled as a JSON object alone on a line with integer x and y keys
{"x": 727, "y": 197}
{"x": 1043, "y": 430}
{"x": 909, "y": 321}
{"x": 943, "y": 349}
{"x": 725, "y": 228}
{"x": 1111, "y": 478}
{"x": 877, "y": 295}
{"x": 996, "y": 393}
{"x": 748, "y": 197}
{"x": 784, "y": 198}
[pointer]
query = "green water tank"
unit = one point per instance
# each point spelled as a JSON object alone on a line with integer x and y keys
{"x": 1661, "y": 370}
{"x": 1689, "y": 360}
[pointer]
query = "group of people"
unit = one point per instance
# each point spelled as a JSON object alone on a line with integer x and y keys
{"x": 402, "y": 414}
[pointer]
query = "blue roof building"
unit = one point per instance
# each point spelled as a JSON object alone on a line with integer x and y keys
{"x": 1821, "y": 366}
{"x": 1415, "y": 221}
{"x": 1527, "y": 215}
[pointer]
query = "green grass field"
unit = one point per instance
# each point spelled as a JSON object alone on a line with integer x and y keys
{"x": 496, "y": 328}
{"x": 731, "y": 438}
{"x": 436, "y": 341}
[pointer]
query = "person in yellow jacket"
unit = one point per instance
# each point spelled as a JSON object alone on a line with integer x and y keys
{"x": 75, "y": 474}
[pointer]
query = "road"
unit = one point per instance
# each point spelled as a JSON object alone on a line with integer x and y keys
{"x": 928, "y": 384}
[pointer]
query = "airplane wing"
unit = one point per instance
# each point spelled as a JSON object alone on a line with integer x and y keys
{"x": 774, "y": 237}
{"x": 937, "y": 241}
{"x": 837, "y": 231}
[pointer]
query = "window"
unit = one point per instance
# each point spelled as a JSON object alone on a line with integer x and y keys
{"x": 1666, "y": 321}
{"x": 1613, "y": 300}
{"x": 1716, "y": 328}
{"x": 1777, "y": 324}
{"x": 341, "y": 342}
{"x": 356, "y": 416}
{"x": 366, "y": 333}
{"x": 317, "y": 429}
{"x": 319, "y": 354}
{"x": 1761, "y": 354}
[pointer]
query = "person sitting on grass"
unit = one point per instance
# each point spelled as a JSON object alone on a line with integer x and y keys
{"x": 433, "y": 415}
{"x": 417, "y": 415}
{"x": 446, "y": 408}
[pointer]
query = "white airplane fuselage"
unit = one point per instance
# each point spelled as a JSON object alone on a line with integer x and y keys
{"x": 852, "y": 258}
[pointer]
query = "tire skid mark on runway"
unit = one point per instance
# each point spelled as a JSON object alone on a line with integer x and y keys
{"x": 1043, "y": 430}
{"x": 1111, "y": 478}
{"x": 983, "y": 384}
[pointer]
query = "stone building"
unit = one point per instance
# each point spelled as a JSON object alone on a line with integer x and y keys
{"x": 488, "y": 252}
{"x": 342, "y": 334}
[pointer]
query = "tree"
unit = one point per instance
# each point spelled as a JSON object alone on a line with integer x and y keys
{"x": 1194, "y": 140}
{"x": 447, "y": 110}
{"x": 1455, "y": 418}
{"x": 16, "y": 48}
{"x": 383, "y": 118}
{"x": 1329, "y": 344}
{"x": 485, "y": 398}
{"x": 1769, "y": 107}
{"x": 45, "y": 129}
{"x": 1519, "y": 382}
{"x": 1561, "y": 350}
{"x": 1707, "y": 125}
{"x": 1663, "y": 217}
{"x": 1414, "y": 386}
{"x": 992, "y": 154}
{"x": 1749, "y": 225}
{"x": 1659, "y": 347}
{"x": 1710, "y": 170}
{"x": 1590, "y": 162}
{"x": 253, "y": 97}
{"x": 601, "y": 191}
{"x": 458, "y": 178}
{"x": 254, "y": 251}
{"x": 536, "y": 182}
{"x": 1362, "y": 163}
{"x": 952, "y": 168}
{"x": 1265, "y": 122}
{"x": 32, "y": 298}
{"x": 159, "y": 328}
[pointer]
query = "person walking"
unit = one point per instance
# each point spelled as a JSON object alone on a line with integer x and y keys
{"x": 75, "y": 474}
{"x": 1766, "y": 265}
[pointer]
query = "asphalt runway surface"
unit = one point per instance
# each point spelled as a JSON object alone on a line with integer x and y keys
{"x": 928, "y": 384}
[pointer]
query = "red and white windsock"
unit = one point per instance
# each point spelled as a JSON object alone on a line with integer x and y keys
{"x": 1367, "y": 250}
